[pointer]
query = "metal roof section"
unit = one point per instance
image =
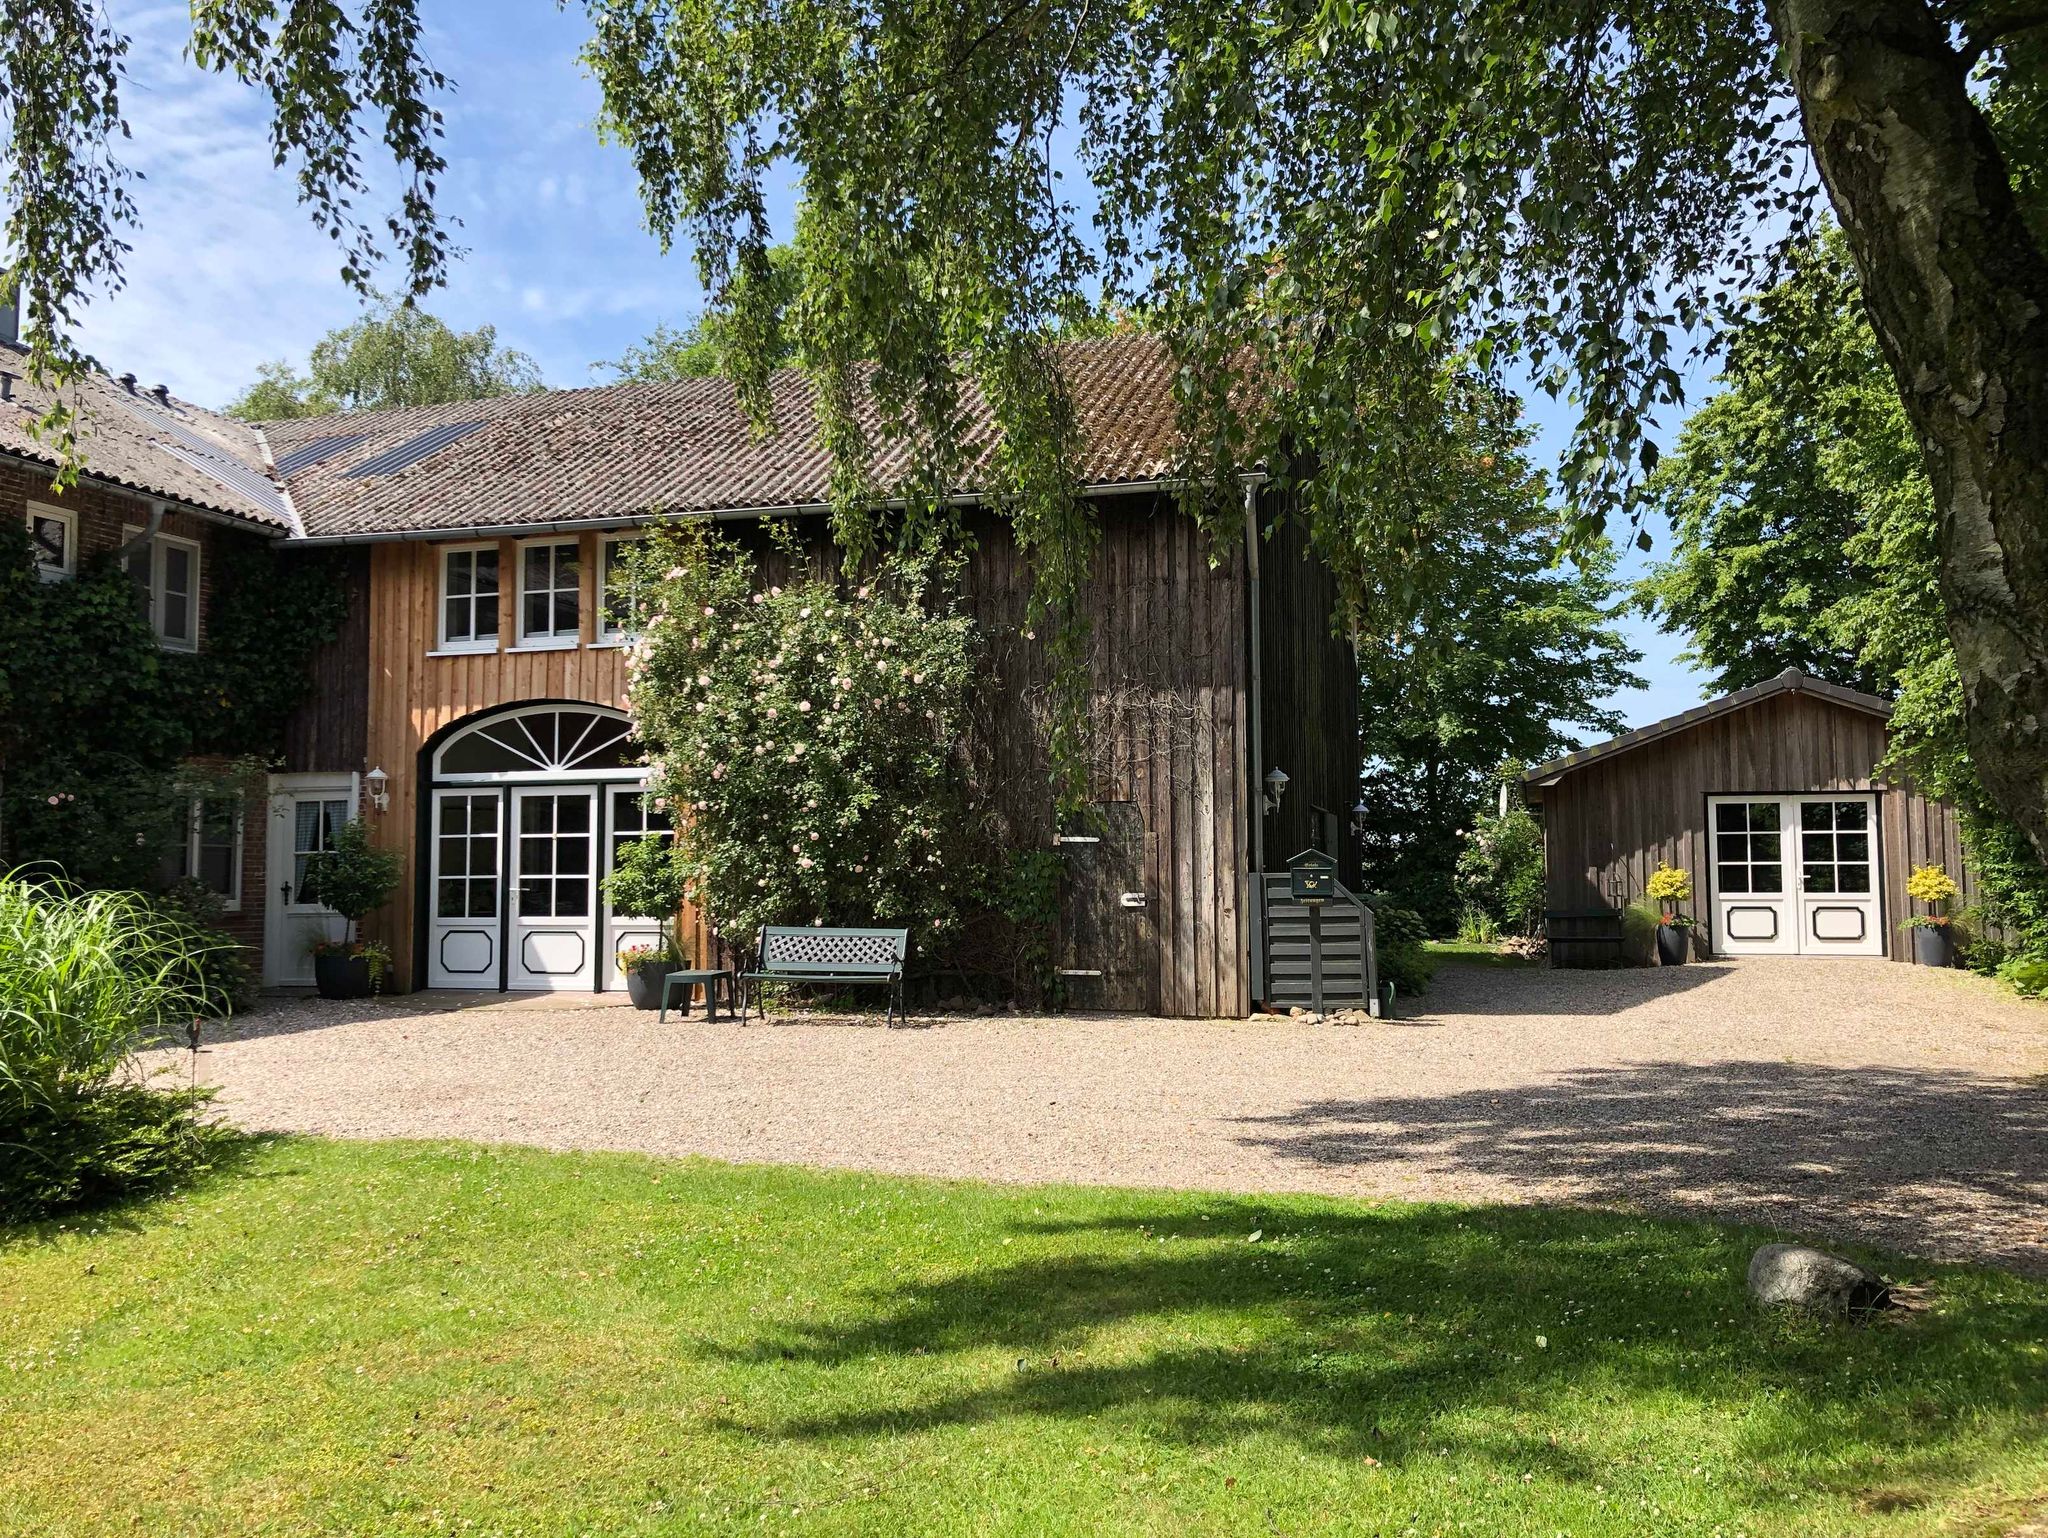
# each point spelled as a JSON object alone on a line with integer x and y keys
{"x": 237, "y": 477}
{"x": 1791, "y": 681}
{"x": 413, "y": 450}
{"x": 306, "y": 455}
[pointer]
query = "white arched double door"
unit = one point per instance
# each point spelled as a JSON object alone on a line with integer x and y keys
{"x": 527, "y": 811}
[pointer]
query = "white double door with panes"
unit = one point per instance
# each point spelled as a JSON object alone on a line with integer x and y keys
{"x": 517, "y": 899}
{"x": 1795, "y": 875}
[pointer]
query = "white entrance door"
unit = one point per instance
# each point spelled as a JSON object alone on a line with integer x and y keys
{"x": 553, "y": 933}
{"x": 1839, "y": 912}
{"x": 464, "y": 933}
{"x": 1795, "y": 875}
{"x": 631, "y": 818}
{"x": 306, "y": 811}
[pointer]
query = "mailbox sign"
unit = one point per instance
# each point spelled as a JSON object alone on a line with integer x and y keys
{"x": 1312, "y": 877}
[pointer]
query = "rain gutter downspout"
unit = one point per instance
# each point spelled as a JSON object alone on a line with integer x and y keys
{"x": 148, "y": 533}
{"x": 1255, "y": 931}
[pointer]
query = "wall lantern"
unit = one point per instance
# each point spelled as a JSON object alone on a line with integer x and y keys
{"x": 1276, "y": 782}
{"x": 1358, "y": 814}
{"x": 380, "y": 797}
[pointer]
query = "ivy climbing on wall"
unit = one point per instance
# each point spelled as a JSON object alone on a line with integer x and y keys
{"x": 96, "y": 719}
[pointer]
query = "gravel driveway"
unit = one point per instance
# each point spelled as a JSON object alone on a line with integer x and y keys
{"x": 1843, "y": 1099}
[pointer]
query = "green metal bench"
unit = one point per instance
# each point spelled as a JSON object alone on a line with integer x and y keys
{"x": 792, "y": 953}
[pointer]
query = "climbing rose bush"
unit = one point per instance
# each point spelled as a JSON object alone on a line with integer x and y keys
{"x": 804, "y": 737}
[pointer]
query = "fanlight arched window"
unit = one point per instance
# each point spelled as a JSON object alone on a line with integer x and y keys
{"x": 542, "y": 742}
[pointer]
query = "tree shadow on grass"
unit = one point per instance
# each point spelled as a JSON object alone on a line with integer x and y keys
{"x": 1950, "y": 1165}
{"x": 1402, "y": 1333}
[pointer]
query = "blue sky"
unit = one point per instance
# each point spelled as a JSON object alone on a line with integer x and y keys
{"x": 228, "y": 272}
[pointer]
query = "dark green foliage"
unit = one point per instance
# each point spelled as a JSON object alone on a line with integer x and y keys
{"x": 220, "y": 972}
{"x": 353, "y": 876}
{"x": 101, "y": 1143}
{"x": 1508, "y": 650}
{"x": 1398, "y": 935}
{"x": 272, "y": 609}
{"x": 96, "y": 717}
{"x": 96, "y": 721}
{"x": 647, "y": 877}
{"x": 1760, "y": 527}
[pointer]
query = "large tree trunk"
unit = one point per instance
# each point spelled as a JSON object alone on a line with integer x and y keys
{"x": 1957, "y": 290}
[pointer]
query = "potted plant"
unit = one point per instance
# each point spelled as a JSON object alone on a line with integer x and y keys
{"x": 1666, "y": 887}
{"x": 1933, "y": 934}
{"x": 354, "y": 878}
{"x": 646, "y": 878}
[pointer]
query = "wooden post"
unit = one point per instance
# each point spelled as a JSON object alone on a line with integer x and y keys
{"x": 1315, "y": 957}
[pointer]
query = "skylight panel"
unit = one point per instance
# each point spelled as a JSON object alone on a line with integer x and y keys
{"x": 307, "y": 455}
{"x": 413, "y": 450}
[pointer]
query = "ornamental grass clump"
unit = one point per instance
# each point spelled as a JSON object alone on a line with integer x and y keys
{"x": 805, "y": 737}
{"x": 86, "y": 979}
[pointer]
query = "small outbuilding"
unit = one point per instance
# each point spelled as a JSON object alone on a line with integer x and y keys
{"x": 1771, "y": 798}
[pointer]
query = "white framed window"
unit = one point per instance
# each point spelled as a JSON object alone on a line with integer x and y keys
{"x": 550, "y": 593}
{"x": 619, "y": 614}
{"x": 53, "y": 537}
{"x": 166, "y": 571}
{"x": 469, "y": 598}
{"x": 210, "y": 849}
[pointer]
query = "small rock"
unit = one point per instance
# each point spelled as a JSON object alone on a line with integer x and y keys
{"x": 1795, "y": 1276}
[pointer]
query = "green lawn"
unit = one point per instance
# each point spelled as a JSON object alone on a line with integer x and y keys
{"x": 1477, "y": 953}
{"x": 425, "y": 1338}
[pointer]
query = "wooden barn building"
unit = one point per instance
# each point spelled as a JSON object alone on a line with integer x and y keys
{"x": 1772, "y": 799}
{"x": 472, "y": 708}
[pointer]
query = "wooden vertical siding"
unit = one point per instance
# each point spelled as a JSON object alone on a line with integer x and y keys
{"x": 1309, "y": 684}
{"x": 1607, "y": 824}
{"x": 1169, "y": 667}
{"x": 1169, "y": 697}
{"x": 330, "y": 729}
{"x": 413, "y": 695}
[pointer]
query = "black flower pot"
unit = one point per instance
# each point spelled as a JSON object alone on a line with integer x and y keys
{"x": 342, "y": 977}
{"x": 1672, "y": 945}
{"x": 1932, "y": 945}
{"x": 643, "y": 983}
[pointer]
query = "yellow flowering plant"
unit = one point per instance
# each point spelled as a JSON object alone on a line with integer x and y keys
{"x": 1932, "y": 885}
{"x": 1669, "y": 884}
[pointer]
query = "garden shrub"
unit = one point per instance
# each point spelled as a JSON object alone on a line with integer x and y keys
{"x": 218, "y": 968}
{"x": 805, "y": 737}
{"x": 1398, "y": 934}
{"x": 86, "y": 978}
{"x": 1500, "y": 871}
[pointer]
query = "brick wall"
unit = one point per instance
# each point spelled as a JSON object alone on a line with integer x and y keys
{"x": 104, "y": 516}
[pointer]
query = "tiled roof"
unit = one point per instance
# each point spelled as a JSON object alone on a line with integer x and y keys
{"x": 620, "y": 451}
{"x": 1791, "y": 681}
{"x": 167, "y": 448}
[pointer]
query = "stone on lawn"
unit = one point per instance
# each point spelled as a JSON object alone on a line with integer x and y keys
{"x": 1795, "y": 1276}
